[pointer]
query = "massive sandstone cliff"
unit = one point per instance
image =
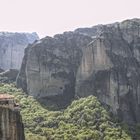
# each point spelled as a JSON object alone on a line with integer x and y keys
{"x": 12, "y": 47}
{"x": 11, "y": 127}
{"x": 103, "y": 61}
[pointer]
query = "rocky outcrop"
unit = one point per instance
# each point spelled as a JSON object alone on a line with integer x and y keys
{"x": 110, "y": 69}
{"x": 51, "y": 70}
{"x": 12, "y": 47}
{"x": 8, "y": 76}
{"x": 11, "y": 127}
{"x": 103, "y": 61}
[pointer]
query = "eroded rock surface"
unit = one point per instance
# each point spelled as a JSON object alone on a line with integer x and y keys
{"x": 103, "y": 61}
{"x": 11, "y": 127}
{"x": 51, "y": 66}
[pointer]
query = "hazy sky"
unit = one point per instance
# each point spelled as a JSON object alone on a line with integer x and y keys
{"x": 49, "y": 17}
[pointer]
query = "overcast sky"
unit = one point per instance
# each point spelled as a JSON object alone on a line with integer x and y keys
{"x": 49, "y": 17}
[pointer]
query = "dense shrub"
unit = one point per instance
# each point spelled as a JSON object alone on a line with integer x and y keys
{"x": 84, "y": 119}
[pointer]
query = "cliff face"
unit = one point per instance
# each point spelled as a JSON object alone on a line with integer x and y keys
{"x": 103, "y": 61}
{"x": 11, "y": 127}
{"x": 12, "y": 47}
{"x": 110, "y": 69}
{"x": 51, "y": 69}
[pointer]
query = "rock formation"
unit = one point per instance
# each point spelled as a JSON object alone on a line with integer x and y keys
{"x": 11, "y": 126}
{"x": 52, "y": 69}
{"x": 103, "y": 61}
{"x": 8, "y": 76}
{"x": 12, "y": 47}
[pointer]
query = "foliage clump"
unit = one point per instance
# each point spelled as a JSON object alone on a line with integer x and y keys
{"x": 84, "y": 119}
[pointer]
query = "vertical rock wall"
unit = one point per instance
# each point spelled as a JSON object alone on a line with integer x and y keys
{"x": 51, "y": 70}
{"x": 84, "y": 62}
{"x": 12, "y": 47}
{"x": 11, "y": 126}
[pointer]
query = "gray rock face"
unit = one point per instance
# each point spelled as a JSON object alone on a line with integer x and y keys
{"x": 9, "y": 76}
{"x": 11, "y": 126}
{"x": 110, "y": 70}
{"x": 51, "y": 70}
{"x": 12, "y": 47}
{"x": 103, "y": 61}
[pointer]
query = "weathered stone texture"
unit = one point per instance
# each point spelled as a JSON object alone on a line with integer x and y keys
{"x": 11, "y": 127}
{"x": 51, "y": 70}
{"x": 103, "y": 61}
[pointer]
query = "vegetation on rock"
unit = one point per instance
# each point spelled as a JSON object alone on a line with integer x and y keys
{"x": 84, "y": 119}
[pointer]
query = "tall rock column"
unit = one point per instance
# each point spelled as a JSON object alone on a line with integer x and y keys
{"x": 11, "y": 126}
